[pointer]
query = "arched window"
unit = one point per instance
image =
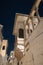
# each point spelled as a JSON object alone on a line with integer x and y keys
{"x": 21, "y": 33}
{"x": 3, "y": 48}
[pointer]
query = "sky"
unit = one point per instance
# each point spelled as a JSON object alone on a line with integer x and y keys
{"x": 8, "y": 9}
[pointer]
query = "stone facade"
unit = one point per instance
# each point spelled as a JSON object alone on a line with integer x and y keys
{"x": 33, "y": 42}
{"x": 36, "y": 47}
{"x": 3, "y": 48}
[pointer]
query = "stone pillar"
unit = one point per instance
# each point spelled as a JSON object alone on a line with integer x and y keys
{"x": 1, "y": 26}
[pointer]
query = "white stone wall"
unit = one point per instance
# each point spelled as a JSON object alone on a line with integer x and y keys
{"x": 3, "y": 51}
{"x": 36, "y": 44}
{"x": 35, "y": 54}
{"x": 27, "y": 59}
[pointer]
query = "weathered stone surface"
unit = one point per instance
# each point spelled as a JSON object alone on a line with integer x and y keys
{"x": 35, "y": 54}
{"x": 36, "y": 44}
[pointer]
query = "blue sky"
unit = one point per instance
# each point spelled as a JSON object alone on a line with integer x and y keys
{"x": 8, "y": 9}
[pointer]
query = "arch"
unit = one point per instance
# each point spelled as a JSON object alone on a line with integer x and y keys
{"x": 3, "y": 48}
{"x": 21, "y": 33}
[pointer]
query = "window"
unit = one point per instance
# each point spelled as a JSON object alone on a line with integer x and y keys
{"x": 30, "y": 30}
{"x": 3, "y": 48}
{"x": 18, "y": 63}
{"x": 34, "y": 24}
{"x": 21, "y": 33}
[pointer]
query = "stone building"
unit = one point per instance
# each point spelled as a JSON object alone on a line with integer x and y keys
{"x": 3, "y": 48}
{"x": 28, "y": 46}
{"x": 28, "y": 31}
